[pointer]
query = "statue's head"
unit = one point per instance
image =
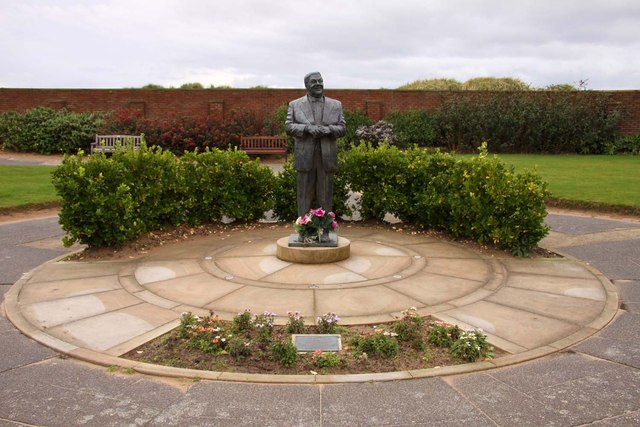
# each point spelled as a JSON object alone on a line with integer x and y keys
{"x": 314, "y": 84}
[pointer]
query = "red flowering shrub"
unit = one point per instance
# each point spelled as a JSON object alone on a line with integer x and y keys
{"x": 180, "y": 133}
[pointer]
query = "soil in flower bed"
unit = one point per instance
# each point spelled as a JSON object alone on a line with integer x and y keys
{"x": 173, "y": 350}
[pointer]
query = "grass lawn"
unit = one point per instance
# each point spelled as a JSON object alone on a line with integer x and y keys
{"x": 26, "y": 185}
{"x": 608, "y": 180}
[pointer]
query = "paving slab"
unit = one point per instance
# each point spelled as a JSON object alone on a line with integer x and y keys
{"x": 199, "y": 289}
{"x": 579, "y": 287}
{"x": 61, "y": 393}
{"x": 579, "y": 225}
{"x": 603, "y": 395}
{"x": 427, "y": 401}
{"x": 47, "y": 314}
{"x": 17, "y": 350}
{"x": 526, "y": 329}
{"x": 562, "y": 307}
{"x": 630, "y": 294}
{"x": 436, "y": 249}
{"x": 433, "y": 289}
{"x": 58, "y": 289}
{"x": 618, "y": 342}
{"x": 259, "y": 300}
{"x": 554, "y": 267}
{"x": 551, "y": 371}
{"x": 225, "y": 404}
{"x": 362, "y": 301}
{"x": 616, "y": 260}
{"x": 506, "y": 405}
{"x": 63, "y": 270}
{"x": 632, "y": 419}
{"x": 110, "y": 329}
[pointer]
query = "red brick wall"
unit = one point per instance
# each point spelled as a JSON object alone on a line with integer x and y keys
{"x": 156, "y": 103}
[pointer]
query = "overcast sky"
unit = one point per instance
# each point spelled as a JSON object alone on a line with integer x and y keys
{"x": 360, "y": 44}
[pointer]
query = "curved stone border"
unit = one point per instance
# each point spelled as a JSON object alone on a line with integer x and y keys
{"x": 15, "y": 315}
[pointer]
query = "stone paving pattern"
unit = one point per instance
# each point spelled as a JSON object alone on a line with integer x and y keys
{"x": 596, "y": 382}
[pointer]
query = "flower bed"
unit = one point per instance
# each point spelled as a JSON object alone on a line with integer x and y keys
{"x": 253, "y": 344}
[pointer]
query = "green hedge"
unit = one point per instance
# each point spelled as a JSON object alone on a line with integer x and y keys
{"x": 554, "y": 122}
{"x": 480, "y": 198}
{"x": 413, "y": 127}
{"x": 109, "y": 201}
{"x": 48, "y": 131}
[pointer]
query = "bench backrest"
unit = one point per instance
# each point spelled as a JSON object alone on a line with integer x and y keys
{"x": 112, "y": 140}
{"x": 263, "y": 142}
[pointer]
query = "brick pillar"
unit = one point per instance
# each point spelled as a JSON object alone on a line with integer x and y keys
{"x": 374, "y": 110}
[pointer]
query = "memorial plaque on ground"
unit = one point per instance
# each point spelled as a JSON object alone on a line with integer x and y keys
{"x": 314, "y": 342}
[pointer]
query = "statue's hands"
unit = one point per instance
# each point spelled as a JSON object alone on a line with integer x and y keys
{"x": 316, "y": 131}
{"x": 326, "y": 130}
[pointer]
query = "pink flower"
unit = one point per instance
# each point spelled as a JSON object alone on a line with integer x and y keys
{"x": 303, "y": 220}
{"x": 318, "y": 212}
{"x": 332, "y": 215}
{"x": 334, "y": 225}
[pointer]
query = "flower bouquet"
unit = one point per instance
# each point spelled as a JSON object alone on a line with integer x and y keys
{"x": 315, "y": 225}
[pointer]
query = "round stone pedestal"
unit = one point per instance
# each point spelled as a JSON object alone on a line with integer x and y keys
{"x": 313, "y": 255}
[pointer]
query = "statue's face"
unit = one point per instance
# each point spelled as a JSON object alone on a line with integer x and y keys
{"x": 315, "y": 85}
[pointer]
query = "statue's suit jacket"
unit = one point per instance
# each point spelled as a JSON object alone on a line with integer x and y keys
{"x": 300, "y": 115}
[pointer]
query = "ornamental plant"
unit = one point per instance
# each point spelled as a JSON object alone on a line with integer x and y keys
{"x": 242, "y": 322}
{"x": 312, "y": 225}
{"x": 408, "y": 328}
{"x": 325, "y": 360}
{"x": 379, "y": 133}
{"x": 206, "y": 334}
{"x": 379, "y": 344}
{"x": 443, "y": 335}
{"x": 327, "y": 323}
{"x": 284, "y": 351}
{"x": 471, "y": 345}
{"x": 263, "y": 324}
{"x": 295, "y": 324}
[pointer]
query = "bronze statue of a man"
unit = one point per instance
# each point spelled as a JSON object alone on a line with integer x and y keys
{"x": 315, "y": 121}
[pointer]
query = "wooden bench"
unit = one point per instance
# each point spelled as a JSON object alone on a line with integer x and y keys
{"x": 264, "y": 145}
{"x": 108, "y": 143}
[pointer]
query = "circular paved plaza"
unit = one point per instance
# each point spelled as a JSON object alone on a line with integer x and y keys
{"x": 100, "y": 310}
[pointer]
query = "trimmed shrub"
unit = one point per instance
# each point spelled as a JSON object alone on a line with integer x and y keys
{"x": 480, "y": 198}
{"x": 628, "y": 144}
{"x": 355, "y": 119}
{"x": 225, "y": 183}
{"x": 109, "y": 201}
{"x": 413, "y": 127}
{"x": 380, "y": 178}
{"x": 551, "y": 122}
{"x": 157, "y": 186}
{"x": 98, "y": 208}
{"x": 48, "y": 131}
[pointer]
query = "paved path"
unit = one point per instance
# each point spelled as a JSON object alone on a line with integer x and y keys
{"x": 596, "y": 381}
